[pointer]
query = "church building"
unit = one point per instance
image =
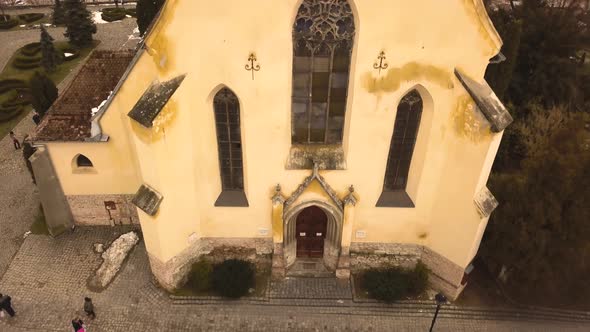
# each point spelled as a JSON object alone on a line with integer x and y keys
{"x": 343, "y": 133}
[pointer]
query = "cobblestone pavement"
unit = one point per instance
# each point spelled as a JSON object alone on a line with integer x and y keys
{"x": 309, "y": 288}
{"x": 48, "y": 280}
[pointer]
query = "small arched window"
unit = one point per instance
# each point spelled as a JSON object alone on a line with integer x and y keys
{"x": 323, "y": 36}
{"x": 229, "y": 144}
{"x": 401, "y": 149}
{"x": 83, "y": 161}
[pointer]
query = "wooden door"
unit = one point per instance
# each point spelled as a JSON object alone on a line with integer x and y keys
{"x": 311, "y": 231}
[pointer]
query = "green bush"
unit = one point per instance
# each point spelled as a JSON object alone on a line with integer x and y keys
{"x": 10, "y": 112}
{"x": 31, "y": 49}
{"x": 393, "y": 283}
{"x": 11, "y": 84}
{"x": 5, "y": 25}
{"x": 31, "y": 17}
{"x": 199, "y": 278}
{"x": 418, "y": 279}
{"x": 233, "y": 278}
{"x": 22, "y": 62}
{"x": 131, "y": 12}
{"x": 113, "y": 14}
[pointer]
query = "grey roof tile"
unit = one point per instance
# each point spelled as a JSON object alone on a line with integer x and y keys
{"x": 486, "y": 100}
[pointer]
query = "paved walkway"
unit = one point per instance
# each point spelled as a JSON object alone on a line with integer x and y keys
{"x": 48, "y": 280}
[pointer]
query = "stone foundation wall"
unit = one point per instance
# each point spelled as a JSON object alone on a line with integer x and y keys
{"x": 103, "y": 209}
{"x": 445, "y": 275}
{"x": 173, "y": 273}
{"x": 364, "y": 255}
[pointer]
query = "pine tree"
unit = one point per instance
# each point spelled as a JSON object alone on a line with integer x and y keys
{"x": 50, "y": 57}
{"x": 146, "y": 11}
{"x": 43, "y": 93}
{"x": 79, "y": 25}
{"x": 58, "y": 13}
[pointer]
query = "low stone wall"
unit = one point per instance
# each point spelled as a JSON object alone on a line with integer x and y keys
{"x": 172, "y": 274}
{"x": 445, "y": 275}
{"x": 103, "y": 209}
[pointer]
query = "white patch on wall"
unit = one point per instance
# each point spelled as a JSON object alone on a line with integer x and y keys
{"x": 361, "y": 234}
{"x": 263, "y": 231}
{"x": 192, "y": 238}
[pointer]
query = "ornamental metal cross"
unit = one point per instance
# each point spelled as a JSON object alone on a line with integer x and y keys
{"x": 381, "y": 64}
{"x": 251, "y": 66}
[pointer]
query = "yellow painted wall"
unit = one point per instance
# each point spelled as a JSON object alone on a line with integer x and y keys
{"x": 424, "y": 41}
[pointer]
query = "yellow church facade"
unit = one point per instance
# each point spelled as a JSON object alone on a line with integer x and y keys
{"x": 356, "y": 133}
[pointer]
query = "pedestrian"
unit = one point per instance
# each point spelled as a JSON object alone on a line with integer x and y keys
{"x": 78, "y": 325}
{"x": 14, "y": 140}
{"x": 6, "y": 304}
{"x": 89, "y": 308}
{"x": 36, "y": 118}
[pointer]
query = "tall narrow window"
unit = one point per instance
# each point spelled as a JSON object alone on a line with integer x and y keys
{"x": 229, "y": 144}
{"x": 401, "y": 149}
{"x": 322, "y": 44}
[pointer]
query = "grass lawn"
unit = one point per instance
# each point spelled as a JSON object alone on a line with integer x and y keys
{"x": 25, "y": 74}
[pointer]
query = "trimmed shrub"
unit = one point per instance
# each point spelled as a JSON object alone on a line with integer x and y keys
{"x": 233, "y": 278}
{"x": 131, "y": 12}
{"x": 10, "y": 112}
{"x": 31, "y": 49}
{"x": 199, "y": 278}
{"x": 22, "y": 62}
{"x": 12, "y": 84}
{"x": 418, "y": 279}
{"x": 11, "y": 23}
{"x": 31, "y": 17}
{"x": 393, "y": 283}
{"x": 113, "y": 14}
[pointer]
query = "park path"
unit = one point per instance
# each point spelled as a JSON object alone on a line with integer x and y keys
{"x": 19, "y": 202}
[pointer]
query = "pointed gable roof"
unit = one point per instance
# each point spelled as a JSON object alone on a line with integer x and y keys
{"x": 315, "y": 175}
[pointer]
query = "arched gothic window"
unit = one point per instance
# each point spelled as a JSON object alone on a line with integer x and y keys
{"x": 323, "y": 36}
{"x": 401, "y": 149}
{"x": 229, "y": 144}
{"x": 83, "y": 161}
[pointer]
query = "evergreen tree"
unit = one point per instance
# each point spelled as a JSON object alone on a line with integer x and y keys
{"x": 499, "y": 75}
{"x": 50, "y": 57}
{"x": 79, "y": 25}
{"x": 58, "y": 13}
{"x": 43, "y": 93}
{"x": 146, "y": 11}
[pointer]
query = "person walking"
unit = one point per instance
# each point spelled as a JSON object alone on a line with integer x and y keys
{"x": 89, "y": 308}
{"x": 6, "y": 304}
{"x": 78, "y": 325}
{"x": 14, "y": 140}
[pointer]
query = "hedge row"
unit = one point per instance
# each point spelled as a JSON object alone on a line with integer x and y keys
{"x": 10, "y": 112}
{"x": 11, "y": 84}
{"x": 31, "y": 17}
{"x": 31, "y": 49}
{"x": 5, "y": 25}
{"x": 22, "y": 62}
{"x": 113, "y": 14}
{"x": 232, "y": 278}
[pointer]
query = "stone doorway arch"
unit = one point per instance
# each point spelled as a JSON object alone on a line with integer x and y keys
{"x": 331, "y": 240}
